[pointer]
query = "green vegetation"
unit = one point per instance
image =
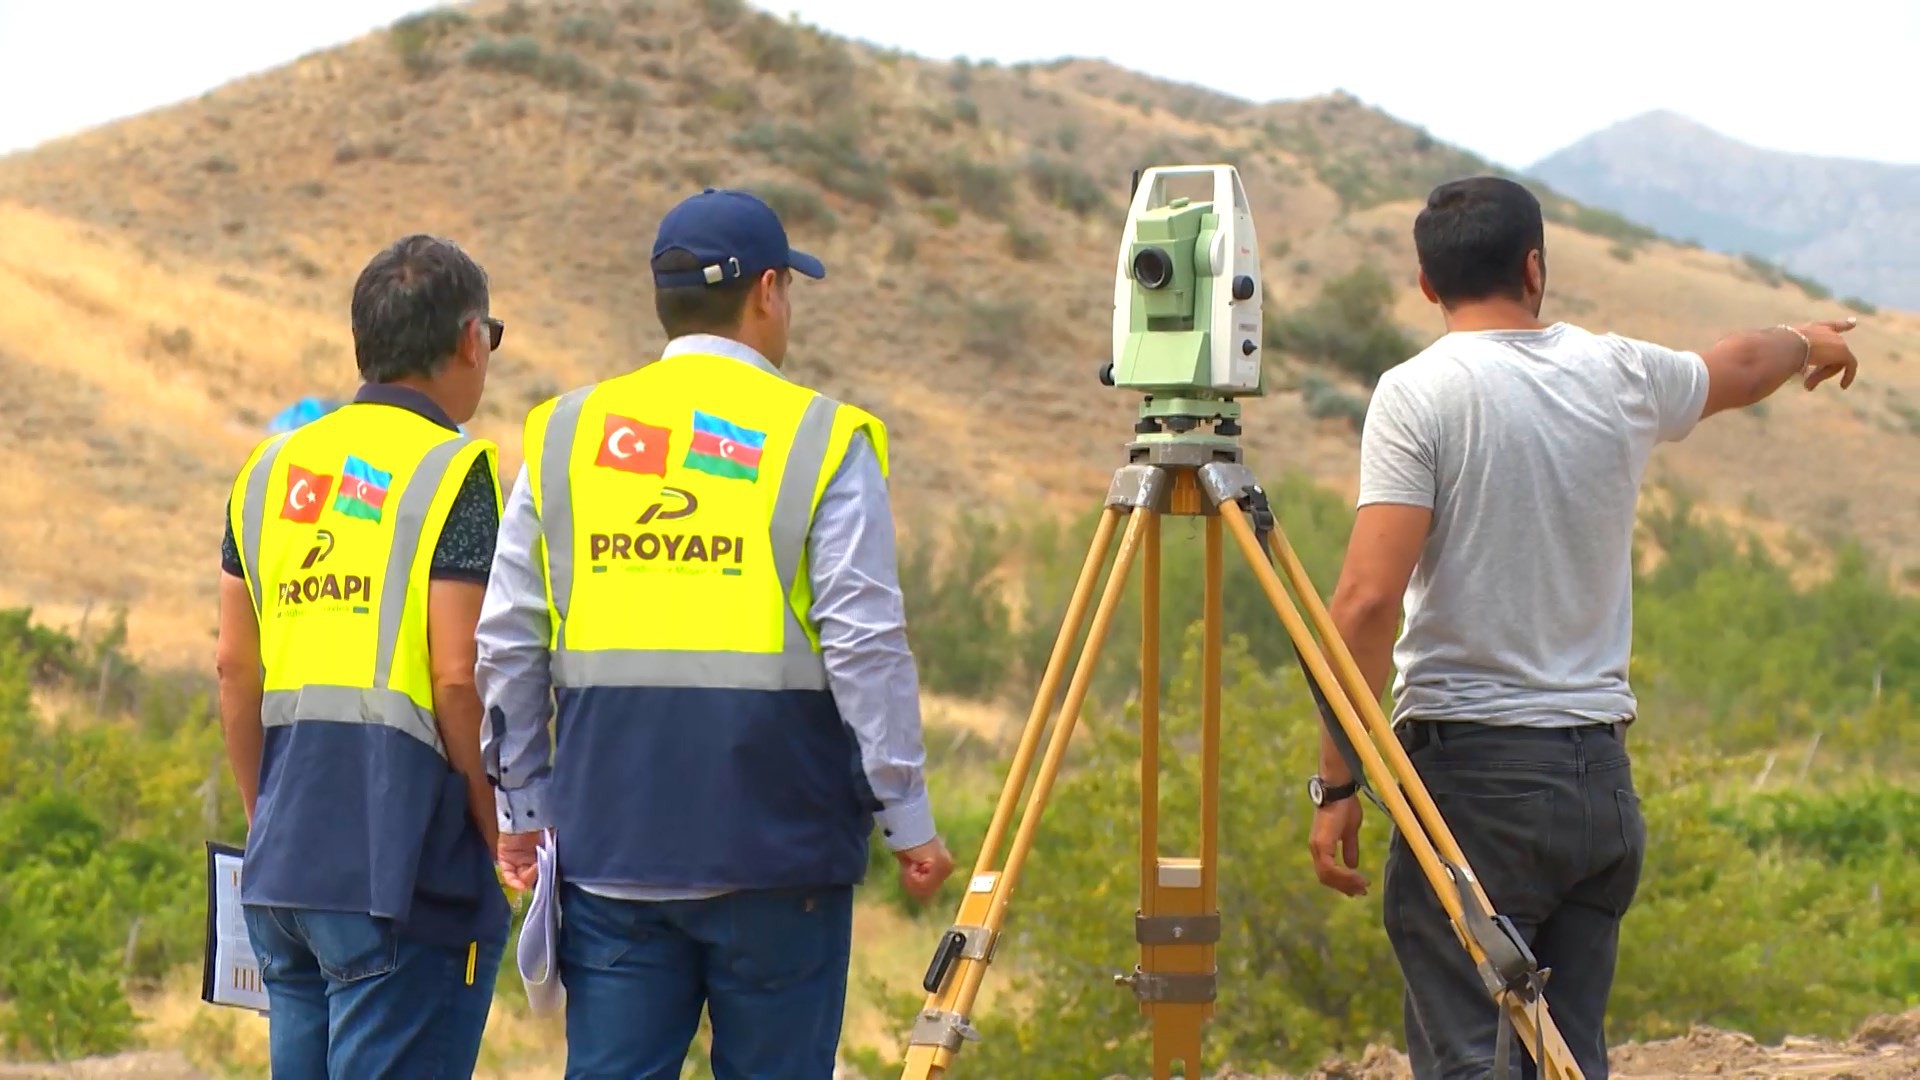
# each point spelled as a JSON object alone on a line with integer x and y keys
{"x": 1774, "y": 275}
{"x": 522, "y": 55}
{"x": 414, "y": 36}
{"x": 101, "y": 824}
{"x": 1349, "y": 326}
{"x": 1776, "y": 780}
{"x": 1772, "y": 757}
{"x": 1325, "y": 400}
{"x": 1598, "y": 222}
{"x": 1066, "y": 185}
{"x": 830, "y": 154}
{"x": 956, "y": 177}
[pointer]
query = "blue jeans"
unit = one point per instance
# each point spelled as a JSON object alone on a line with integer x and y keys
{"x": 770, "y": 965}
{"x": 349, "y": 997}
{"x": 1550, "y": 823}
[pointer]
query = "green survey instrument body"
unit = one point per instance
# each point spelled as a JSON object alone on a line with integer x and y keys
{"x": 1187, "y": 305}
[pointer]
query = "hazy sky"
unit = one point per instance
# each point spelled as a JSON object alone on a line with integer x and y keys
{"x": 1510, "y": 79}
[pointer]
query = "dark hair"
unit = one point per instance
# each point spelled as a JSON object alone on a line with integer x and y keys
{"x": 697, "y": 309}
{"x": 410, "y": 304}
{"x": 1473, "y": 238}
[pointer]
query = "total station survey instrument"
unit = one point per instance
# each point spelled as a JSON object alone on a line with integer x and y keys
{"x": 1188, "y": 337}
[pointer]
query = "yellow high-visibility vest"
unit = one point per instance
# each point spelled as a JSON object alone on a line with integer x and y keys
{"x": 359, "y": 808}
{"x": 697, "y": 743}
{"x": 337, "y": 522}
{"x": 674, "y": 504}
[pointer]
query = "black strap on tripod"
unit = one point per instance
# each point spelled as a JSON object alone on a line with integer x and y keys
{"x": 1509, "y": 968}
{"x": 1261, "y": 514}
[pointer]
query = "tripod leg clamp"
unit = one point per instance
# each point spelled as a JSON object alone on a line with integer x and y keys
{"x": 1140, "y": 487}
{"x": 968, "y": 942}
{"x": 946, "y": 1030}
{"x": 1509, "y": 970}
{"x": 1184, "y": 988}
{"x": 1176, "y": 929}
{"x": 1510, "y": 966}
{"x": 1232, "y": 482}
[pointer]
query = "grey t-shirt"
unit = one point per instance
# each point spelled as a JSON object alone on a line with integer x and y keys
{"x": 1529, "y": 447}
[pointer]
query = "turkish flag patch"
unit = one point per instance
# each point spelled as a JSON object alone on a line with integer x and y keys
{"x": 631, "y": 446}
{"x": 306, "y": 495}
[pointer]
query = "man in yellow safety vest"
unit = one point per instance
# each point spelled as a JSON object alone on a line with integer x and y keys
{"x": 355, "y": 560}
{"x": 697, "y": 559}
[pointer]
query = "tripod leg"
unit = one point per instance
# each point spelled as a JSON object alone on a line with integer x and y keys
{"x": 1070, "y": 625}
{"x": 1475, "y": 928}
{"x": 942, "y": 1025}
{"x": 1176, "y": 925}
{"x": 1357, "y": 689}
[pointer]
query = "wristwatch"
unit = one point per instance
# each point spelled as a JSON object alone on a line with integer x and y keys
{"x": 1324, "y": 794}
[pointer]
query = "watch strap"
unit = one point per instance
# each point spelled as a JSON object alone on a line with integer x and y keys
{"x": 1333, "y": 793}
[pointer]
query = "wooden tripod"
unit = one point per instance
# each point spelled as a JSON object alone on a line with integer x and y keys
{"x": 1178, "y": 922}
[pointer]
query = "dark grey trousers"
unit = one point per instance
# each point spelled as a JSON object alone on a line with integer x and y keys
{"x": 1550, "y": 823}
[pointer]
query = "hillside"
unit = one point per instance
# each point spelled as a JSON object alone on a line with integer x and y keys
{"x": 170, "y": 281}
{"x": 1853, "y": 226}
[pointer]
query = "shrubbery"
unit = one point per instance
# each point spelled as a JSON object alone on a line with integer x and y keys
{"x": 1774, "y": 758}
{"x": 1349, "y": 326}
{"x": 101, "y": 830}
{"x": 1750, "y": 883}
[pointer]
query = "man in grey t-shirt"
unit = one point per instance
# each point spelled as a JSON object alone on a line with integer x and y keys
{"x": 1499, "y": 472}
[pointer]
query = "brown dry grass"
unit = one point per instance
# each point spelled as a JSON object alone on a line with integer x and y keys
{"x": 167, "y": 282}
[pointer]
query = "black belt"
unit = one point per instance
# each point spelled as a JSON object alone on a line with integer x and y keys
{"x": 1415, "y": 734}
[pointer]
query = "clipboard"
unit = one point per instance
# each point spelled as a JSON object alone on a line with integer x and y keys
{"x": 229, "y": 971}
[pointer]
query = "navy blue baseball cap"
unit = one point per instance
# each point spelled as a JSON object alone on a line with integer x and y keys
{"x": 734, "y": 235}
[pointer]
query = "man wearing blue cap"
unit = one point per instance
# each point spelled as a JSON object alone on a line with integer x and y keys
{"x": 697, "y": 561}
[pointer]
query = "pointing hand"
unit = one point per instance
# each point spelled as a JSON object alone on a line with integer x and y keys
{"x": 1829, "y": 354}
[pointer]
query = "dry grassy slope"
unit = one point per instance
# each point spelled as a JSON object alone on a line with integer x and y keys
{"x": 169, "y": 281}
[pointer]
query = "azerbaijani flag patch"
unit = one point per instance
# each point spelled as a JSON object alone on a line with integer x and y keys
{"x": 363, "y": 490}
{"x": 723, "y": 448}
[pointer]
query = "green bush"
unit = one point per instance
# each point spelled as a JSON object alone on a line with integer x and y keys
{"x": 1067, "y": 186}
{"x": 798, "y": 206}
{"x": 1323, "y": 400}
{"x": 960, "y": 630}
{"x": 414, "y": 36}
{"x": 101, "y": 826}
{"x": 1747, "y": 886}
{"x": 979, "y": 186}
{"x": 1348, "y": 326}
{"x": 1606, "y": 223}
{"x": 1026, "y": 243}
{"x": 523, "y": 56}
{"x": 831, "y": 154}
{"x": 1773, "y": 752}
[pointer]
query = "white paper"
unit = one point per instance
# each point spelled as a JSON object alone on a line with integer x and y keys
{"x": 539, "y": 936}
{"x": 235, "y": 971}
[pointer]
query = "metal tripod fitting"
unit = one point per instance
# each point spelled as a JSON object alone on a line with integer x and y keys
{"x": 1177, "y": 924}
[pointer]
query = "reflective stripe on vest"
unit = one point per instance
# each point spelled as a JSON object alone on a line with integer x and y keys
{"x": 796, "y": 667}
{"x": 377, "y": 704}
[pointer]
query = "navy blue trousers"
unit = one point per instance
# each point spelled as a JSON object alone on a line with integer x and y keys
{"x": 349, "y": 996}
{"x": 769, "y": 965}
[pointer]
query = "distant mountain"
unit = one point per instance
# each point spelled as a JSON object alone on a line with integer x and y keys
{"x": 1853, "y": 226}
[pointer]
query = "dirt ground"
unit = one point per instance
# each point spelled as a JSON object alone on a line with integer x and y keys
{"x": 1883, "y": 1048}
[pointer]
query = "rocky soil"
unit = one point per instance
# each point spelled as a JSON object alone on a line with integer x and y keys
{"x": 1883, "y": 1048}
